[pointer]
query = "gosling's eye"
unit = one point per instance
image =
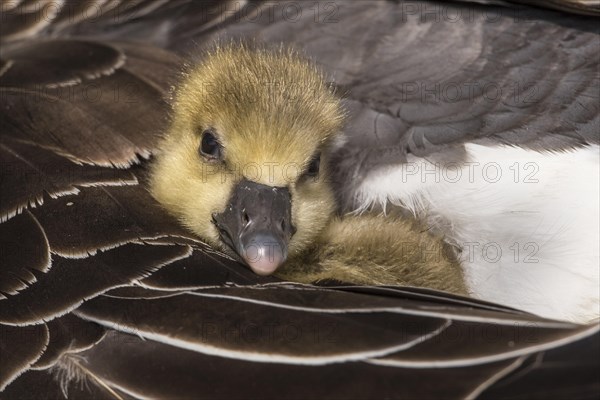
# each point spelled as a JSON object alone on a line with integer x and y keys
{"x": 210, "y": 148}
{"x": 313, "y": 167}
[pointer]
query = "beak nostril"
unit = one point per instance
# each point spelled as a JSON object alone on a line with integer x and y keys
{"x": 283, "y": 225}
{"x": 245, "y": 218}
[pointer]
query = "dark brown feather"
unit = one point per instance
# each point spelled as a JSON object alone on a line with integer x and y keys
{"x": 30, "y": 174}
{"x": 24, "y": 249}
{"x": 68, "y": 334}
{"x": 20, "y": 347}
{"x": 80, "y": 279}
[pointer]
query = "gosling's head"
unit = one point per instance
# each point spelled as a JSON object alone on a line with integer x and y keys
{"x": 243, "y": 164}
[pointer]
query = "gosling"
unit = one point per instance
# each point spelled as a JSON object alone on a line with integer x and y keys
{"x": 244, "y": 166}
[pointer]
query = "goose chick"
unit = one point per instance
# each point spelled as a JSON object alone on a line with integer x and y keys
{"x": 244, "y": 166}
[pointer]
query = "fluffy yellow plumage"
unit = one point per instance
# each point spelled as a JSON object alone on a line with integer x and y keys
{"x": 272, "y": 113}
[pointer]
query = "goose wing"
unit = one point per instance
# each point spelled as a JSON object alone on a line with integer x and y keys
{"x": 105, "y": 296}
{"x": 424, "y": 79}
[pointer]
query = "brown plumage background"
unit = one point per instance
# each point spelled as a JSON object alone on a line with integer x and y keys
{"x": 105, "y": 295}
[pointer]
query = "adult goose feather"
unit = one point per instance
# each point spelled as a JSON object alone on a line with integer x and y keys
{"x": 106, "y": 295}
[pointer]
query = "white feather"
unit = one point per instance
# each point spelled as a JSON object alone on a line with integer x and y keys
{"x": 527, "y": 222}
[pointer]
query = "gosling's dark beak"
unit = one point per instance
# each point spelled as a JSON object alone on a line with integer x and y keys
{"x": 257, "y": 225}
